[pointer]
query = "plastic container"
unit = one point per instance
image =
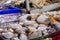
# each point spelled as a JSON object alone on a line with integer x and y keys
{"x": 10, "y": 14}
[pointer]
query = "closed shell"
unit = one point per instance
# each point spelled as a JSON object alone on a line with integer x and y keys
{"x": 23, "y": 37}
{"x": 43, "y": 19}
{"x": 8, "y": 35}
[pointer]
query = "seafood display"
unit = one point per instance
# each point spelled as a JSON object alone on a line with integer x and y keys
{"x": 37, "y": 20}
{"x": 30, "y": 26}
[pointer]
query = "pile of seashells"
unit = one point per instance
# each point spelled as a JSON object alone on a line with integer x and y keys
{"x": 30, "y": 26}
{"x": 54, "y": 14}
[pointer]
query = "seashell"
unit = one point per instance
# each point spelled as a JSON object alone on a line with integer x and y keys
{"x": 55, "y": 15}
{"x": 31, "y": 29}
{"x": 52, "y": 30}
{"x": 57, "y": 25}
{"x": 31, "y": 23}
{"x": 25, "y": 29}
{"x": 42, "y": 27}
{"x": 35, "y": 25}
{"x": 1, "y": 30}
{"x": 15, "y": 38}
{"x": 43, "y": 19}
{"x": 23, "y": 18}
{"x": 34, "y": 16}
{"x": 10, "y": 30}
{"x": 45, "y": 32}
{"x": 20, "y": 30}
{"x": 15, "y": 26}
{"x": 15, "y": 34}
{"x": 34, "y": 34}
{"x": 23, "y": 37}
{"x": 5, "y": 30}
{"x": 40, "y": 33}
{"x": 3, "y": 26}
{"x": 21, "y": 23}
{"x": 8, "y": 35}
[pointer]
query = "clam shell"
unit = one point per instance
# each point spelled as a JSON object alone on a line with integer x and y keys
{"x": 31, "y": 23}
{"x": 23, "y": 37}
{"x": 34, "y": 34}
{"x": 42, "y": 27}
{"x": 43, "y": 19}
{"x": 23, "y": 18}
{"x": 15, "y": 38}
{"x": 15, "y": 26}
{"x": 20, "y": 30}
{"x": 21, "y": 23}
{"x": 8, "y": 35}
{"x": 45, "y": 32}
{"x": 31, "y": 29}
{"x": 57, "y": 25}
{"x": 1, "y": 30}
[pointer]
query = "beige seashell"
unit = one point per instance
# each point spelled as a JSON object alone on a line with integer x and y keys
{"x": 15, "y": 26}
{"x": 20, "y": 30}
{"x": 8, "y": 35}
{"x": 34, "y": 34}
{"x": 25, "y": 29}
{"x": 23, "y": 37}
{"x": 35, "y": 25}
{"x": 15, "y": 38}
{"x": 21, "y": 23}
{"x": 57, "y": 25}
{"x": 31, "y": 29}
{"x": 34, "y": 16}
{"x": 1, "y": 30}
{"x": 31, "y": 23}
{"x": 54, "y": 14}
{"x": 42, "y": 27}
{"x": 43, "y": 19}
{"x": 45, "y": 32}
{"x": 5, "y": 30}
{"x": 15, "y": 34}
{"x": 23, "y": 18}
{"x": 10, "y": 30}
